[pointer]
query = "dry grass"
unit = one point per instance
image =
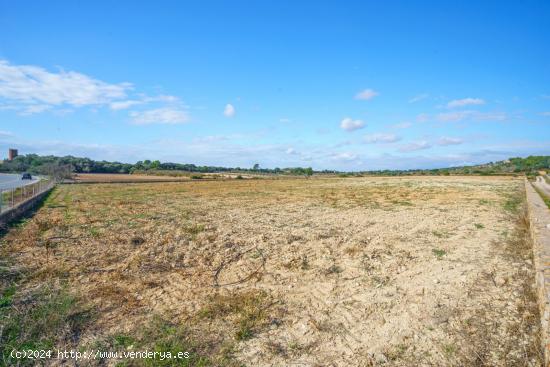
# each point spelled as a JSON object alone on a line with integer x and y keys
{"x": 121, "y": 177}
{"x": 355, "y": 271}
{"x": 492, "y": 332}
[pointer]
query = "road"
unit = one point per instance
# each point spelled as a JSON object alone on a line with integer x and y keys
{"x": 10, "y": 181}
{"x": 542, "y": 185}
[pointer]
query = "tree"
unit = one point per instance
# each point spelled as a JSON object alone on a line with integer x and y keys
{"x": 58, "y": 172}
{"x": 155, "y": 165}
{"x": 256, "y": 167}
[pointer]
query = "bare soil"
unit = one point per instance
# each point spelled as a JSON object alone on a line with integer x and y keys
{"x": 423, "y": 271}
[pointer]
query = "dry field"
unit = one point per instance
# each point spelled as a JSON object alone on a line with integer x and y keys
{"x": 417, "y": 271}
{"x": 121, "y": 177}
{"x": 160, "y": 176}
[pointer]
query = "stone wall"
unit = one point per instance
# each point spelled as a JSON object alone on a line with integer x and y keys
{"x": 21, "y": 209}
{"x": 539, "y": 219}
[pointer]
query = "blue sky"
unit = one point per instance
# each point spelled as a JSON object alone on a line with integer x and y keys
{"x": 349, "y": 85}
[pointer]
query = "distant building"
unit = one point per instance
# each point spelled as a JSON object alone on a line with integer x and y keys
{"x": 12, "y": 153}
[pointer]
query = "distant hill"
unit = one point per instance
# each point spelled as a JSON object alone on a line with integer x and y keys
{"x": 69, "y": 164}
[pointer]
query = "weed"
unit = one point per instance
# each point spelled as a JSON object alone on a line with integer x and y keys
{"x": 449, "y": 350}
{"x": 479, "y": 225}
{"x": 7, "y": 296}
{"x": 513, "y": 203}
{"x": 245, "y": 330}
{"x": 402, "y": 202}
{"x": 124, "y": 341}
{"x": 352, "y": 250}
{"x": 439, "y": 253}
{"x": 441, "y": 234}
{"x": 544, "y": 197}
{"x": 247, "y": 309}
{"x": 380, "y": 281}
{"x": 94, "y": 232}
{"x": 334, "y": 269}
{"x": 305, "y": 264}
{"x": 194, "y": 229}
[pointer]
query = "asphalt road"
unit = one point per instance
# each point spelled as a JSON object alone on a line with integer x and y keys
{"x": 11, "y": 181}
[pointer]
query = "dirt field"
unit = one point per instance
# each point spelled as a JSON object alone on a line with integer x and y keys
{"x": 111, "y": 177}
{"x": 427, "y": 271}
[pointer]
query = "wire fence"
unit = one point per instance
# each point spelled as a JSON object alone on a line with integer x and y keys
{"x": 10, "y": 198}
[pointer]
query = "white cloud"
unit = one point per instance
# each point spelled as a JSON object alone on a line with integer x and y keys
{"x": 34, "y": 108}
{"x": 284, "y": 120}
{"x": 291, "y": 151}
{"x": 163, "y": 98}
{"x": 414, "y": 146}
{"x": 423, "y": 117}
{"x": 229, "y": 110}
{"x": 465, "y": 102}
{"x": 547, "y": 113}
{"x": 344, "y": 156}
{"x": 28, "y": 90}
{"x": 471, "y": 115}
{"x": 366, "y": 94}
{"x": 228, "y": 153}
{"x": 444, "y": 141}
{"x": 143, "y": 99}
{"x": 5, "y": 134}
{"x": 34, "y": 85}
{"x": 160, "y": 116}
{"x": 349, "y": 124}
{"x": 402, "y": 125}
{"x": 381, "y": 138}
{"x": 418, "y": 98}
{"x": 123, "y": 105}
{"x": 453, "y": 116}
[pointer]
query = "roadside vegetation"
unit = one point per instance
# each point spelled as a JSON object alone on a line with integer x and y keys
{"x": 543, "y": 196}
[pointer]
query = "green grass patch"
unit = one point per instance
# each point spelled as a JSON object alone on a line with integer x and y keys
{"x": 41, "y": 320}
{"x": 7, "y": 296}
{"x": 439, "y": 253}
{"x": 513, "y": 202}
{"x": 164, "y": 338}
{"x": 544, "y": 197}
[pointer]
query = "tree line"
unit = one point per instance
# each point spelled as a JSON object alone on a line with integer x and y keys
{"x": 35, "y": 163}
{"x": 64, "y": 166}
